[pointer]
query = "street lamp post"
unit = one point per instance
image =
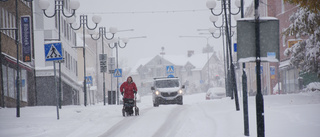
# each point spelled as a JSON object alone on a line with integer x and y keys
{"x": 116, "y": 45}
{"x": 225, "y": 4}
{"x": 58, "y": 8}
{"x": 84, "y": 24}
{"x": 103, "y": 35}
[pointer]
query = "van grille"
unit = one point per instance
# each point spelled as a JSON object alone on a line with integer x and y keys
{"x": 169, "y": 94}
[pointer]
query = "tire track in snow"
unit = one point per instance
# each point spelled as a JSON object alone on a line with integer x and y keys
{"x": 171, "y": 123}
{"x": 124, "y": 124}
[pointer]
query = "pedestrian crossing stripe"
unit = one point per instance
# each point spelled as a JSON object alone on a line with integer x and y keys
{"x": 53, "y": 52}
{"x": 170, "y": 69}
{"x": 117, "y": 73}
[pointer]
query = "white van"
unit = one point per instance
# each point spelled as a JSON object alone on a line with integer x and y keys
{"x": 167, "y": 91}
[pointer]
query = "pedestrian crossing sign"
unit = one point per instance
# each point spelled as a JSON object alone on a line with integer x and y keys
{"x": 53, "y": 51}
{"x": 88, "y": 80}
{"x": 170, "y": 69}
{"x": 117, "y": 73}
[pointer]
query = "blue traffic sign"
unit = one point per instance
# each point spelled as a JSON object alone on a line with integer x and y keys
{"x": 117, "y": 73}
{"x": 88, "y": 79}
{"x": 170, "y": 69}
{"x": 170, "y": 76}
{"x": 53, "y": 51}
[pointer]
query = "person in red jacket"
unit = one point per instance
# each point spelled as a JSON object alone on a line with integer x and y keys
{"x": 128, "y": 89}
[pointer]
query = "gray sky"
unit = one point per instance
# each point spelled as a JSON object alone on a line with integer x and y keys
{"x": 177, "y": 18}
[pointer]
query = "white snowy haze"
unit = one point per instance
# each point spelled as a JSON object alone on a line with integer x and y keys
{"x": 161, "y": 21}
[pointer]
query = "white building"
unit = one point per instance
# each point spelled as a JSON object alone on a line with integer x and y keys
{"x": 45, "y": 30}
{"x": 193, "y": 71}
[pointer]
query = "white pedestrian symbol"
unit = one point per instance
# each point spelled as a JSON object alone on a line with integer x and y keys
{"x": 53, "y": 53}
{"x": 170, "y": 69}
{"x": 118, "y": 73}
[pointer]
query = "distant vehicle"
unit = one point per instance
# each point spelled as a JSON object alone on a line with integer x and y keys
{"x": 167, "y": 91}
{"x": 215, "y": 93}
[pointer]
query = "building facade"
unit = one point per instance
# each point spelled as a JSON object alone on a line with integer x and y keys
{"x": 197, "y": 72}
{"x": 289, "y": 77}
{"x": 8, "y": 56}
{"x": 46, "y": 30}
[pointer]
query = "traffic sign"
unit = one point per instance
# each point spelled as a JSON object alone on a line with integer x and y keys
{"x": 53, "y": 51}
{"x": 103, "y": 62}
{"x": 170, "y": 69}
{"x": 88, "y": 79}
{"x": 117, "y": 73}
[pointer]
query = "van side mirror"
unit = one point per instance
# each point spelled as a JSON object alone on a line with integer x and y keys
{"x": 183, "y": 87}
{"x": 152, "y": 88}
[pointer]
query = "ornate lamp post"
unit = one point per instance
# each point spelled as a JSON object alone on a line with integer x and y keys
{"x": 58, "y": 8}
{"x": 103, "y": 35}
{"x": 84, "y": 25}
{"x": 226, "y": 5}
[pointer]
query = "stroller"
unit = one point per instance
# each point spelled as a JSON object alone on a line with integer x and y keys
{"x": 128, "y": 105}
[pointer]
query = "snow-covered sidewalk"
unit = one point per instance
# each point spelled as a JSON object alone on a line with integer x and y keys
{"x": 292, "y": 115}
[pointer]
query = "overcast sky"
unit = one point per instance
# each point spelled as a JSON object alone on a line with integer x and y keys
{"x": 162, "y": 21}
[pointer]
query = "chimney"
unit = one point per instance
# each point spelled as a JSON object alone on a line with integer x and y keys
{"x": 190, "y": 53}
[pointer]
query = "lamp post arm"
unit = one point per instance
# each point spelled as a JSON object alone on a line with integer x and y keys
{"x": 95, "y": 38}
{"x": 105, "y": 36}
{"x": 75, "y": 28}
{"x": 111, "y": 47}
{"x": 236, "y": 12}
{"x": 216, "y": 36}
{"x": 217, "y": 26}
{"x": 54, "y": 14}
{"x": 218, "y": 13}
{"x": 125, "y": 44}
{"x": 93, "y": 27}
{"x": 68, "y": 16}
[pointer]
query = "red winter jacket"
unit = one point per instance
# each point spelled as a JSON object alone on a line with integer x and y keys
{"x": 128, "y": 89}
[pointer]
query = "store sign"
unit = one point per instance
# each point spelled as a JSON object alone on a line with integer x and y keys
{"x": 26, "y": 38}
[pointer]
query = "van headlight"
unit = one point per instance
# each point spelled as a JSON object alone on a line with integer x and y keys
{"x": 157, "y": 92}
{"x": 180, "y": 91}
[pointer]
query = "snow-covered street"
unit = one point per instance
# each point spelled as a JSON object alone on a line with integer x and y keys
{"x": 292, "y": 115}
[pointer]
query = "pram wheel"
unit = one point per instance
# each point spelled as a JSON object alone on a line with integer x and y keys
{"x": 136, "y": 111}
{"x": 123, "y": 113}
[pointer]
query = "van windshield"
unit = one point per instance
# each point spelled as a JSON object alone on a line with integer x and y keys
{"x": 167, "y": 83}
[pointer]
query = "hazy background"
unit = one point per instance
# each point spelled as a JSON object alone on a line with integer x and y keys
{"x": 162, "y": 21}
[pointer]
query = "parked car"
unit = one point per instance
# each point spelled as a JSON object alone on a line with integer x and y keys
{"x": 216, "y": 93}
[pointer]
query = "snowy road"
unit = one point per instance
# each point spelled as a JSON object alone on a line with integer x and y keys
{"x": 293, "y": 115}
{"x": 168, "y": 120}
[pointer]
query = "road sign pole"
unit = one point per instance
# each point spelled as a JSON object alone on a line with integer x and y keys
{"x": 55, "y": 86}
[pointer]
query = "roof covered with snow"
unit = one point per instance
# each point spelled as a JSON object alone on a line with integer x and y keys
{"x": 197, "y": 60}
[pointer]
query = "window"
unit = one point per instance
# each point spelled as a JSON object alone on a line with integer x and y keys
{"x": 5, "y": 80}
{"x": 65, "y": 58}
{"x": 24, "y": 85}
{"x": 11, "y": 85}
{"x": 76, "y": 68}
{"x": 282, "y": 6}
